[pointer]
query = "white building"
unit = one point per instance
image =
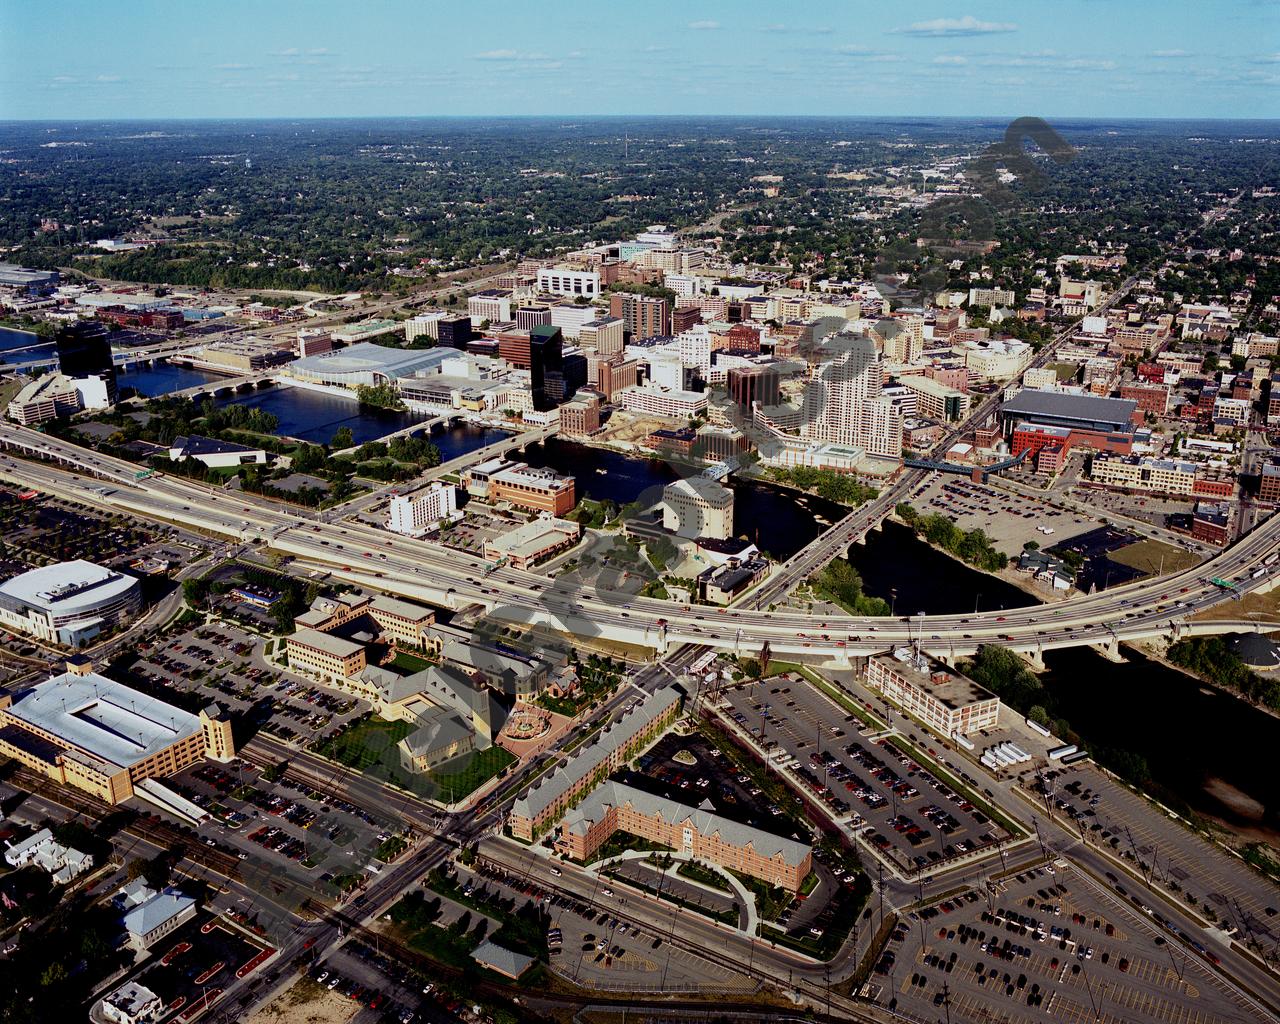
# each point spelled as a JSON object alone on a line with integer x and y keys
{"x": 132, "y": 1003}
{"x": 426, "y": 325}
{"x": 164, "y": 912}
{"x": 996, "y": 358}
{"x": 665, "y": 402}
{"x": 844, "y": 403}
{"x": 571, "y": 318}
{"x": 698, "y": 507}
{"x": 493, "y": 304}
{"x": 68, "y": 602}
{"x": 418, "y": 514}
{"x": 558, "y": 281}
{"x": 694, "y": 347}
{"x": 948, "y": 703}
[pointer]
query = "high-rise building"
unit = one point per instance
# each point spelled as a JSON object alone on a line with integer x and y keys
{"x": 84, "y": 350}
{"x": 643, "y": 316}
{"x": 605, "y": 335}
{"x": 454, "y": 332}
{"x": 414, "y": 516}
{"x": 749, "y": 384}
{"x": 843, "y": 400}
{"x": 698, "y": 507}
{"x": 545, "y": 357}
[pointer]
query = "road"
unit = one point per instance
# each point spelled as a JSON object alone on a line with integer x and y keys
{"x": 418, "y": 569}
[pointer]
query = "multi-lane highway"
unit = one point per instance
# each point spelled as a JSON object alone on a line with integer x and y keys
{"x": 418, "y": 569}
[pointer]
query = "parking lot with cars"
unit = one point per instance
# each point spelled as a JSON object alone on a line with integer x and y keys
{"x": 1242, "y": 905}
{"x": 588, "y": 944}
{"x": 1044, "y": 944}
{"x": 290, "y": 838}
{"x": 1010, "y": 520}
{"x": 382, "y": 988}
{"x": 192, "y": 966}
{"x": 900, "y": 807}
{"x": 225, "y": 662}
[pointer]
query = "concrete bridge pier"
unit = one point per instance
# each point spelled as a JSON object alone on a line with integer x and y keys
{"x": 656, "y": 638}
{"x": 1035, "y": 659}
{"x": 1110, "y": 650}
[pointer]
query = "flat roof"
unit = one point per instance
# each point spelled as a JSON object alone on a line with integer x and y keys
{"x": 930, "y": 675}
{"x": 64, "y": 586}
{"x": 366, "y": 357}
{"x": 109, "y": 720}
{"x": 1064, "y": 406}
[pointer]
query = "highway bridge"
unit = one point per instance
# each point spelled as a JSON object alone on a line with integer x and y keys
{"x": 421, "y": 570}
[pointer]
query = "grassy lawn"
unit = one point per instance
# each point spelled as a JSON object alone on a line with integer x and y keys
{"x": 1146, "y": 556}
{"x": 367, "y": 743}
{"x": 463, "y": 775}
{"x": 410, "y": 663}
{"x": 700, "y": 873}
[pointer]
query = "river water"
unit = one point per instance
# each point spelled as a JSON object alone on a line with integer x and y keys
{"x": 22, "y": 346}
{"x": 1210, "y": 749}
{"x": 777, "y": 520}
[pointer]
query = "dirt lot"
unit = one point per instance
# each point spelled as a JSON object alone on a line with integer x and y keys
{"x": 1150, "y": 556}
{"x": 306, "y": 1002}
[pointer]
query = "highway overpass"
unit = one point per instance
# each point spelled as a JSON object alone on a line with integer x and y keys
{"x": 419, "y": 569}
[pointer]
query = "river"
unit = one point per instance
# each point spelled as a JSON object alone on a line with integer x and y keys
{"x": 21, "y": 346}
{"x": 1210, "y": 749}
{"x": 778, "y": 520}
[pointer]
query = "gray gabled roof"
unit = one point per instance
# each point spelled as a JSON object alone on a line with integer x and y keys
{"x": 634, "y": 722}
{"x": 708, "y": 823}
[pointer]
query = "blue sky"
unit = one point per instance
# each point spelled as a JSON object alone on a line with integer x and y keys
{"x": 323, "y": 58}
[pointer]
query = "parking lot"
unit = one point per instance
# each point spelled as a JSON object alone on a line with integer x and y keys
{"x": 899, "y": 806}
{"x": 1045, "y": 944}
{"x": 597, "y": 950}
{"x": 199, "y": 961}
{"x": 1246, "y": 907}
{"x": 225, "y": 662}
{"x": 292, "y": 840}
{"x": 1010, "y": 520}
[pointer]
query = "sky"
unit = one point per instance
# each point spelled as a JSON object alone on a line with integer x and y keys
{"x": 78, "y": 59}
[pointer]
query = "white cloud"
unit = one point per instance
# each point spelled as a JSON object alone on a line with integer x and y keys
{"x": 109, "y": 78}
{"x": 517, "y": 55}
{"x": 950, "y": 59}
{"x": 1267, "y": 58}
{"x": 292, "y": 51}
{"x": 966, "y": 26}
{"x": 232, "y": 67}
{"x": 704, "y": 26}
{"x": 1171, "y": 54}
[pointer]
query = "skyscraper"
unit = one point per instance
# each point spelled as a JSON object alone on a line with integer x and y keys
{"x": 84, "y": 350}
{"x": 843, "y": 403}
{"x": 545, "y": 357}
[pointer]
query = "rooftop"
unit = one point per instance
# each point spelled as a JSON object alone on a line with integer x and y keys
{"x": 326, "y": 642}
{"x": 949, "y": 688}
{"x": 634, "y": 722}
{"x": 113, "y": 722}
{"x": 707, "y": 822}
{"x": 53, "y": 587}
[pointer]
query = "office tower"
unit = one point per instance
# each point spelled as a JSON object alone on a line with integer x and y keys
{"x": 454, "y": 332}
{"x": 642, "y": 316}
{"x": 748, "y": 384}
{"x": 545, "y": 357}
{"x": 84, "y": 350}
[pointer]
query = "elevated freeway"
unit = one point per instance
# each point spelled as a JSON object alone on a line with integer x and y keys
{"x": 418, "y": 569}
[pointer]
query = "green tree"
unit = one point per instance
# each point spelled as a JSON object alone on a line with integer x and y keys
{"x": 342, "y": 439}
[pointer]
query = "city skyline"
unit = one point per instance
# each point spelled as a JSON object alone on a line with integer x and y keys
{"x": 398, "y": 59}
